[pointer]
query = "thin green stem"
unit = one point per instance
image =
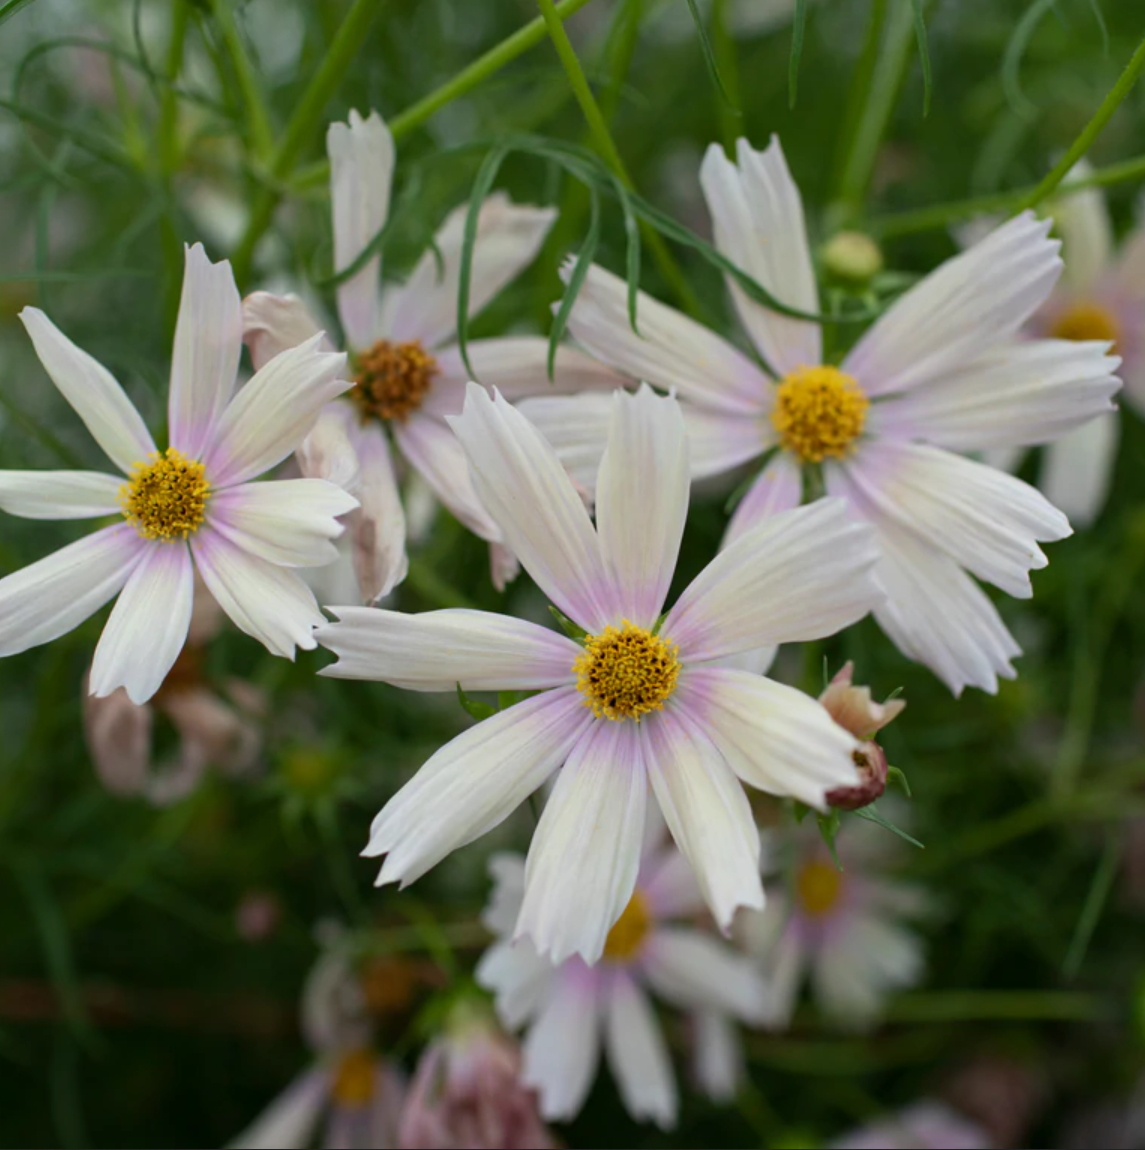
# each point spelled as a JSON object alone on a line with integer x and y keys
{"x": 169, "y": 146}
{"x": 727, "y": 60}
{"x": 254, "y": 103}
{"x": 859, "y": 95}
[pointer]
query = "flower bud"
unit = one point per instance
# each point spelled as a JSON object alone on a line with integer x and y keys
{"x": 852, "y": 258}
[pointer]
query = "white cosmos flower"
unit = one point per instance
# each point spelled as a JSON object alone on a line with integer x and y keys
{"x": 570, "y": 1010}
{"x": 642, "y": 702}
{"x": 189, "y": 507}
{"x": 408, "y": 368}
{"x": 940, "y": 373}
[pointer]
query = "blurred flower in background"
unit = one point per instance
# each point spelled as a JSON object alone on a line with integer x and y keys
{"x": 924, "y": 1126}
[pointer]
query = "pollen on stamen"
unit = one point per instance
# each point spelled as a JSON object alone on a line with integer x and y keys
{"x": 819, "y": 413}
{"x": 166, "y": 498}
{"x": 626, "y": 672}
{"x": 392, "y": 380}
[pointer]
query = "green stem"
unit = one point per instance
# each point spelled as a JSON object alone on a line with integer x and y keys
{"x": 727, "y": 60}
{"x": 602, "y": 138}
{"x": 254, "y": 105}
{"x": 859, "y": 95}
{"x": 169, "y": 145}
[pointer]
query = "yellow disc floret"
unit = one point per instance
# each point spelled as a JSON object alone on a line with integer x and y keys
{"x": 392, "y": 379}
{"x": 818, "y": 886}
{"x": 627, "y": 937}
{"x": 819, "y": 413}
{"x": 626, "y": 671}
{"x": 166, "y": 498}
{"x": 353, "y": 1081}
{"x": 1086, "y": 320}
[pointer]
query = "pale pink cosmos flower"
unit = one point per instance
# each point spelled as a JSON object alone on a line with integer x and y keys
{"x": 642, "y": 701}
{"x": 939, "y": 374}
{"x": 571, "y": 1010}
{"x": 409, "y": 371}
{"x": 926, "y": 1125}
{"x": 189, "y": 508}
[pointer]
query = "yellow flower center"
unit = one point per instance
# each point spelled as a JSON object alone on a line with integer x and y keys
{"x": 353, "y": 1082}
{"x": 1086, "y": 320}
{"x": 818, "y": 887}
{"x": 166, "y": 498}
{"x": 819, "y": 412}
{"x": 393, "y": 379}
{"x": 626, "y": 671}
{"x": 627, "y": 937}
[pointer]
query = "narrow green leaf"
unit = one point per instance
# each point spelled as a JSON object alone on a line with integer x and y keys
{"x": 475, "y": 707}
{"x": 923, "y": 53}
{"x": 872, "y": 815}
{"x": 584, "y": 258}
{"x": 1099, "y": 16}
{"x": 1015, "y": 50}
{"x": 798, "y": 27}
{"x": 829, "y": 829}
{"x": 12, "y": 7}
{"x": 710, "y": 55}
{"x": 1095, "y": 902}
{"x": 571, "y": 629}
{"x": 897, "y": 777}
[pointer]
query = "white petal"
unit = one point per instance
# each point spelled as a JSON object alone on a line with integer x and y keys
{"x": 519, "y": 979}
{"x": 774, "y": 737}
{"x": 669, "y": 883}
{"x": 271, "y": 415}
{"x": 582, "y": 865}
{"x": 361, "y": 171}
{"x": 205, "y": 359}
{"x": 508, "y": 238}
{"x": 562, "y": 1048}
{"x": 148, "y": 625}
{"x": 438, "y": 458}
{"x": 288, "y": 522}
{"x": 801, "y": 575}
{"x": 275, "y": 323}
{"x": 1082, "y": 220}
{"x": 706, "y": 810}
{"x": 757, "y": 215}
{"x": 985, "y": 520}
{"x": 379, "y": 526}
{"x": 289, "y": 1122}
{"x": 694, "y": 970}
{"x": 719, "y": 442}
{"x": 475, "y": 782}
{"x": 94, "y": 395}
{"x": 671, "y": 351}
{"x": 777, "y": 488}
{"x": 544, "y": 522}
{"x": 269, "y": 603}
{"x": 576, "y": 426}
{"x": 642, "y": 501}
{"x": 59, "y": 494}
{"x": 1016, "y": 395}
{"x": 718, "y": 1055}
{"x": 974, "y": 300}
{"x": 639, "y": 1055}
{"x": 1077, "y": 470}
{"x": 436, "y": 650}
{"x": 332, "y": 448}
{"x": 51, "y": 597}
{"x": 507, "y": 870}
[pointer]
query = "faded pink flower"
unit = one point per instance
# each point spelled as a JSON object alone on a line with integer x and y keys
{"x": 924, "y": 1126}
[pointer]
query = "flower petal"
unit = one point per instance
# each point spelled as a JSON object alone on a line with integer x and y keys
{"x": 582, "y": 865}
{"x": 148, "y": 625}
{"x": 717, "y": 1055}
{"x": 332, "y": 447}
{"x": 562, "y": 1048}
{"x": 801, "y": 575}
{"x": 271, "y": 415}
{"x": 47, "y": 599}
{"x": 974, "y": 300}
{"x": 436, "y": 650}
{"x": 361, "y": 172}
{"x": 265, "y": 601}
{"x": 475, "y": 782}
{"x": 288, "y": 522}
{"x": 693, "y": 970}
{"x": 642, "y": 501}
{"x": 276, "y": 323}
{"x": 507, "y": 870}
{"x": 706, "y": 810}
{"x": 639, "y": 1055}
{"x": 1082, "y": 220}
{"x": 289, "y": 1122}
{"x": 378, "y": 528}
{"x": 519, "y": 479}
{"x": 59, "y": 494}
{"x": 719, "y": 442}
{"x": 92, "y": 392}
{"x": 777, "y": 488}
{"x": 1077, "y": 470}
{"x": 671, "y": 351}
{"x": 757, "y": 215}
{"x": 519, "y": 979}
{"x": 509, "y": 236}
{"x": 1017, "y": 395}
{"x": 774, "y": 737}
{"x": 205, "y": 359}
{"x": 576, "y": 427}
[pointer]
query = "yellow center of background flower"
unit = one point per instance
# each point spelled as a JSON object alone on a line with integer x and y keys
{"x": 627, "y": 937}
{"x": 819, "y": 412}
{"x": 166, "y": 498}
{"x": 818, "y": 887}
{"x": 353, "y": 1081}
{"x": 1085, "y": 321}
{"x": 626, "y": 671}
{"x": 392, "y": 379}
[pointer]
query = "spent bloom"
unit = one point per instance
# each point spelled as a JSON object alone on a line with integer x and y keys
{"x": 407, "y": 369}
{"x": 188, "y": 508}
{"x": 571, "y": 1009}
{"x": 841, "y": 928}
{"x": 940, "y": 373}
{"x": 641, "y": 701}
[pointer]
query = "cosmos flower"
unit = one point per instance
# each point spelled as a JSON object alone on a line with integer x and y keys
{"x": 940, "y": 373}
{"x": 640, "y": 701}
{"x": 408, "y": 371}
{"x": 570, "y": 1009}
{"x": 926, "y": 1125}
{"x": 189, "y": 508}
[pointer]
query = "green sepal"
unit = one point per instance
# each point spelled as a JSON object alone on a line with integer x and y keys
{"x": 573, "y": 630}
{"x": 475, "y": 707}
